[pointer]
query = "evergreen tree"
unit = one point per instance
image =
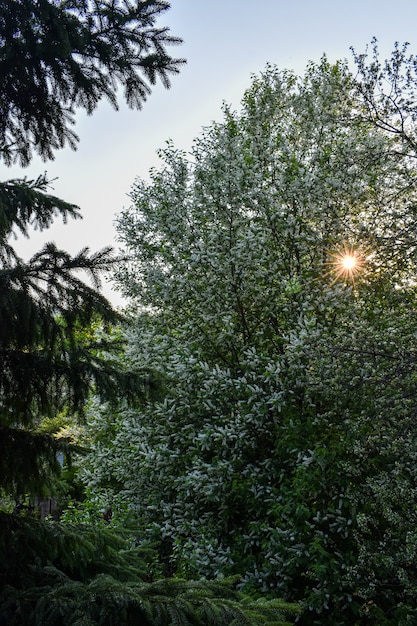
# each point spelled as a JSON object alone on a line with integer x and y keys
{"x": 56, "y": 57}
{"x": 59, "y": 55}
{"x": 58, "y": 575}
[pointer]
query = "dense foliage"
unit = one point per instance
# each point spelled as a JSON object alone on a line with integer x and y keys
{"x": 55, "y": 56}
{"x": 55, "y": 574}
{"x": 283, "y": 444}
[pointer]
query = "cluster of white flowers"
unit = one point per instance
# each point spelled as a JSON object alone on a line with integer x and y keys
{"x": 263, "y": 445}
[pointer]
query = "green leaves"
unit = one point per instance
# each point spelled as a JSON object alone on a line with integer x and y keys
{"x": 282, "y": 444}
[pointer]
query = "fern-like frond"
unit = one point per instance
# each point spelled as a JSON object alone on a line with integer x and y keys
{"x": 54, "y": 574}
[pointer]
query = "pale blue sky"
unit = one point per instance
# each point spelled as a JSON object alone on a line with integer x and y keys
{"x": 225, "y": 42}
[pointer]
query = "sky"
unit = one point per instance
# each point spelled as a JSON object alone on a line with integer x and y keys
{"x": 226, "y": 42}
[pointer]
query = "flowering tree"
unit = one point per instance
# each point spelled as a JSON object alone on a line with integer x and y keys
{"x": 273, "y": 277}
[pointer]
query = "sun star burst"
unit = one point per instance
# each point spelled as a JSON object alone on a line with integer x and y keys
{"x": 346, "y": 264}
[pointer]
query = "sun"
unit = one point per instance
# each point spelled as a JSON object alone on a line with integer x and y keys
{"x": 346, "y": 263}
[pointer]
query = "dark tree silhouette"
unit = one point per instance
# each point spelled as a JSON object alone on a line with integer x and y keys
{"x": 57, "y": 56}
